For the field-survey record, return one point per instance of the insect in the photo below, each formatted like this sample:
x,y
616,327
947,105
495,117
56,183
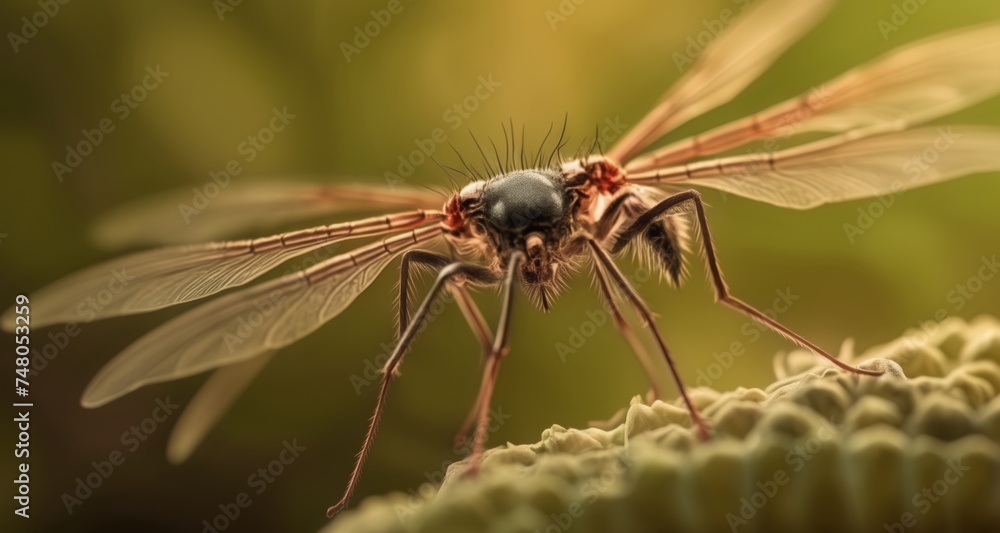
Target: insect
x,y
532,219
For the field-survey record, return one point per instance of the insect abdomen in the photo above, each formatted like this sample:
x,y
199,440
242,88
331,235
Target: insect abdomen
x,y
663,239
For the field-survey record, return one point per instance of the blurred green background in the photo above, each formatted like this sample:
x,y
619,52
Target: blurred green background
x,y
607,60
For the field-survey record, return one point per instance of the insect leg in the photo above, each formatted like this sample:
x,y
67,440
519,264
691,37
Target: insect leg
x,y
627,206
692,197
475,320
618,207
500,347
626,331
473,317
468,273
465,302
640,306
662,238
469,310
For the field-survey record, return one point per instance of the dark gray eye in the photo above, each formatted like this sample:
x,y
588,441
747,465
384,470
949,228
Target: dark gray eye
x,y
524,199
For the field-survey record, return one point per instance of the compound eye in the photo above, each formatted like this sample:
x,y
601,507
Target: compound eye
x,y
471,195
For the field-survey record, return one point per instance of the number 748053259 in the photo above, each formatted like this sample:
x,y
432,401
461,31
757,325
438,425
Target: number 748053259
x,y
529,217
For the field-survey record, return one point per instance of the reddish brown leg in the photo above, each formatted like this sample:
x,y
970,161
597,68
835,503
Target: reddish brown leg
x,y
626,331
647,316
654,392
485,336
467,272
462,297
474,318
722,294
500,348
469,310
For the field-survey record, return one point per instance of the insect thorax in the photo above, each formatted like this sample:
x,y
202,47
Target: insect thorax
x,y
525,202
530,211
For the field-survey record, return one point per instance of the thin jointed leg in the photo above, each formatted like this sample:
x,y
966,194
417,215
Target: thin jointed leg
x,y
721,290
626,205
473,317
468,273
469,310
462,297
647,316
500,346
626,331
485,336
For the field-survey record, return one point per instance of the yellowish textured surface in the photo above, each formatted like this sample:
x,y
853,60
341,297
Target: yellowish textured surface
x,y
818,450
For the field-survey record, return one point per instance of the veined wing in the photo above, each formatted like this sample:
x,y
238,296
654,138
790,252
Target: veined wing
x,y
238,326
728,64
159,278
208,405
924,80
858,164
190,215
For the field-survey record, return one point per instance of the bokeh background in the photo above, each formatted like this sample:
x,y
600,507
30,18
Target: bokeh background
x,y
605,61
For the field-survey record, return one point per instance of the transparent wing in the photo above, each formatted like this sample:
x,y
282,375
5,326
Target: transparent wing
x,y
859,164
238,326
208,405
155,279
915,83
731,62
190,215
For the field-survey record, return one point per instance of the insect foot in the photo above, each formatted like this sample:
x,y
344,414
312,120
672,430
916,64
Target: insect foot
x,y
818,450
